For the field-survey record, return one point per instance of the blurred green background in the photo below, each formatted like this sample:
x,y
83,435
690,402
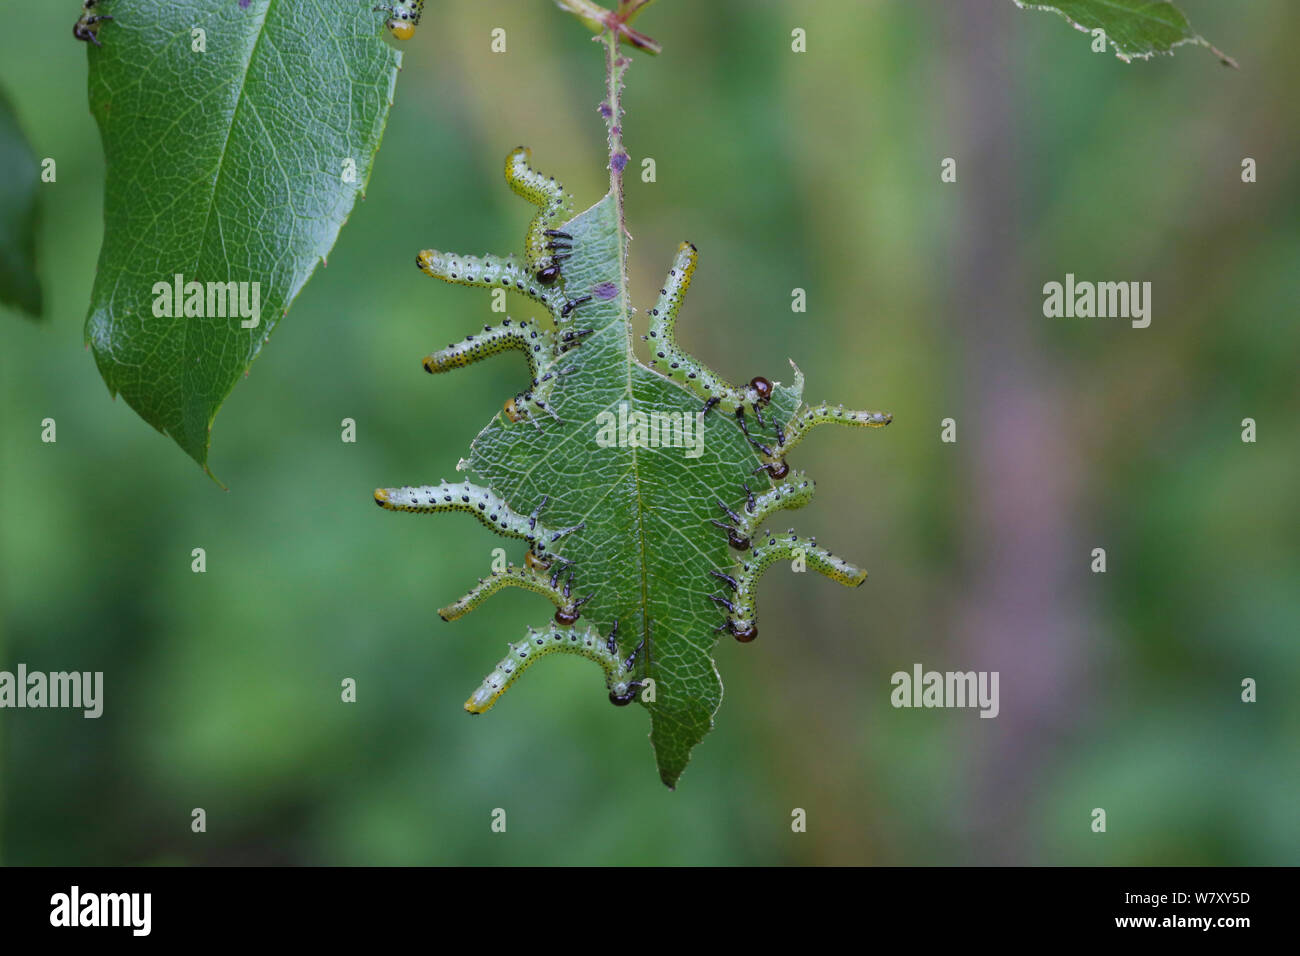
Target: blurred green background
x,y
818,171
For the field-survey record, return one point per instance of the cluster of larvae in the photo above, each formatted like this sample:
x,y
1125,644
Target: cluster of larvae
x,y
550,352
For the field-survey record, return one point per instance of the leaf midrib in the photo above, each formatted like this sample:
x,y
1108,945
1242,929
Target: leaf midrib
x,y
614,79
225,148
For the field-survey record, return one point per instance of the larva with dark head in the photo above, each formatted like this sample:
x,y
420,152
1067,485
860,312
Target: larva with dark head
x,y
86,28
545,246
492,272
537,344
755,510
530,578
540,346
742,622
559,640
804,421
776,470
672,360
483,504
810,417
403,17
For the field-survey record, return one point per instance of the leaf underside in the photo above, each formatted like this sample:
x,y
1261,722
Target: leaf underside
x,y
222,166
646,552
647,546
1135,29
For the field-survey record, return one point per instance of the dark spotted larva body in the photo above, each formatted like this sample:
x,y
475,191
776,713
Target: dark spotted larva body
x,y
512,576
672,360
750,516
491,272
550,640
404,17
742,620
809,418
545,246
537,344
540,346
481,503
804,421
678,364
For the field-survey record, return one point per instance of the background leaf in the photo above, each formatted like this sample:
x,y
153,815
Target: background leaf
x,y
1135,28
19,284
222,166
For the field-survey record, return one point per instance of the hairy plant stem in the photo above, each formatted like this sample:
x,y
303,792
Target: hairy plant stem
x,y
611,108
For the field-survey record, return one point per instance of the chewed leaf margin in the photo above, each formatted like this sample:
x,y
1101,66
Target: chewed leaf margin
x,y
1135,29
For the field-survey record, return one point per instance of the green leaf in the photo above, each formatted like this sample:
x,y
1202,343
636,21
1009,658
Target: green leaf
x,y
627,533
222,166
19,285
1134,28
647,547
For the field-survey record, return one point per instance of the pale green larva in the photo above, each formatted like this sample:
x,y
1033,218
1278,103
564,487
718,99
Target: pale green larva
x,y
742,620
672,360
540,346
537,344
810,417
795,493
804,421
678,364
482,504
545,246
491,272
533,578
559,640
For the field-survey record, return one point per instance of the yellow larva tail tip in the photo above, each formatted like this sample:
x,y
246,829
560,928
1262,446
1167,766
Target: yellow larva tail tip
x,y
401,29
381,496
473,707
